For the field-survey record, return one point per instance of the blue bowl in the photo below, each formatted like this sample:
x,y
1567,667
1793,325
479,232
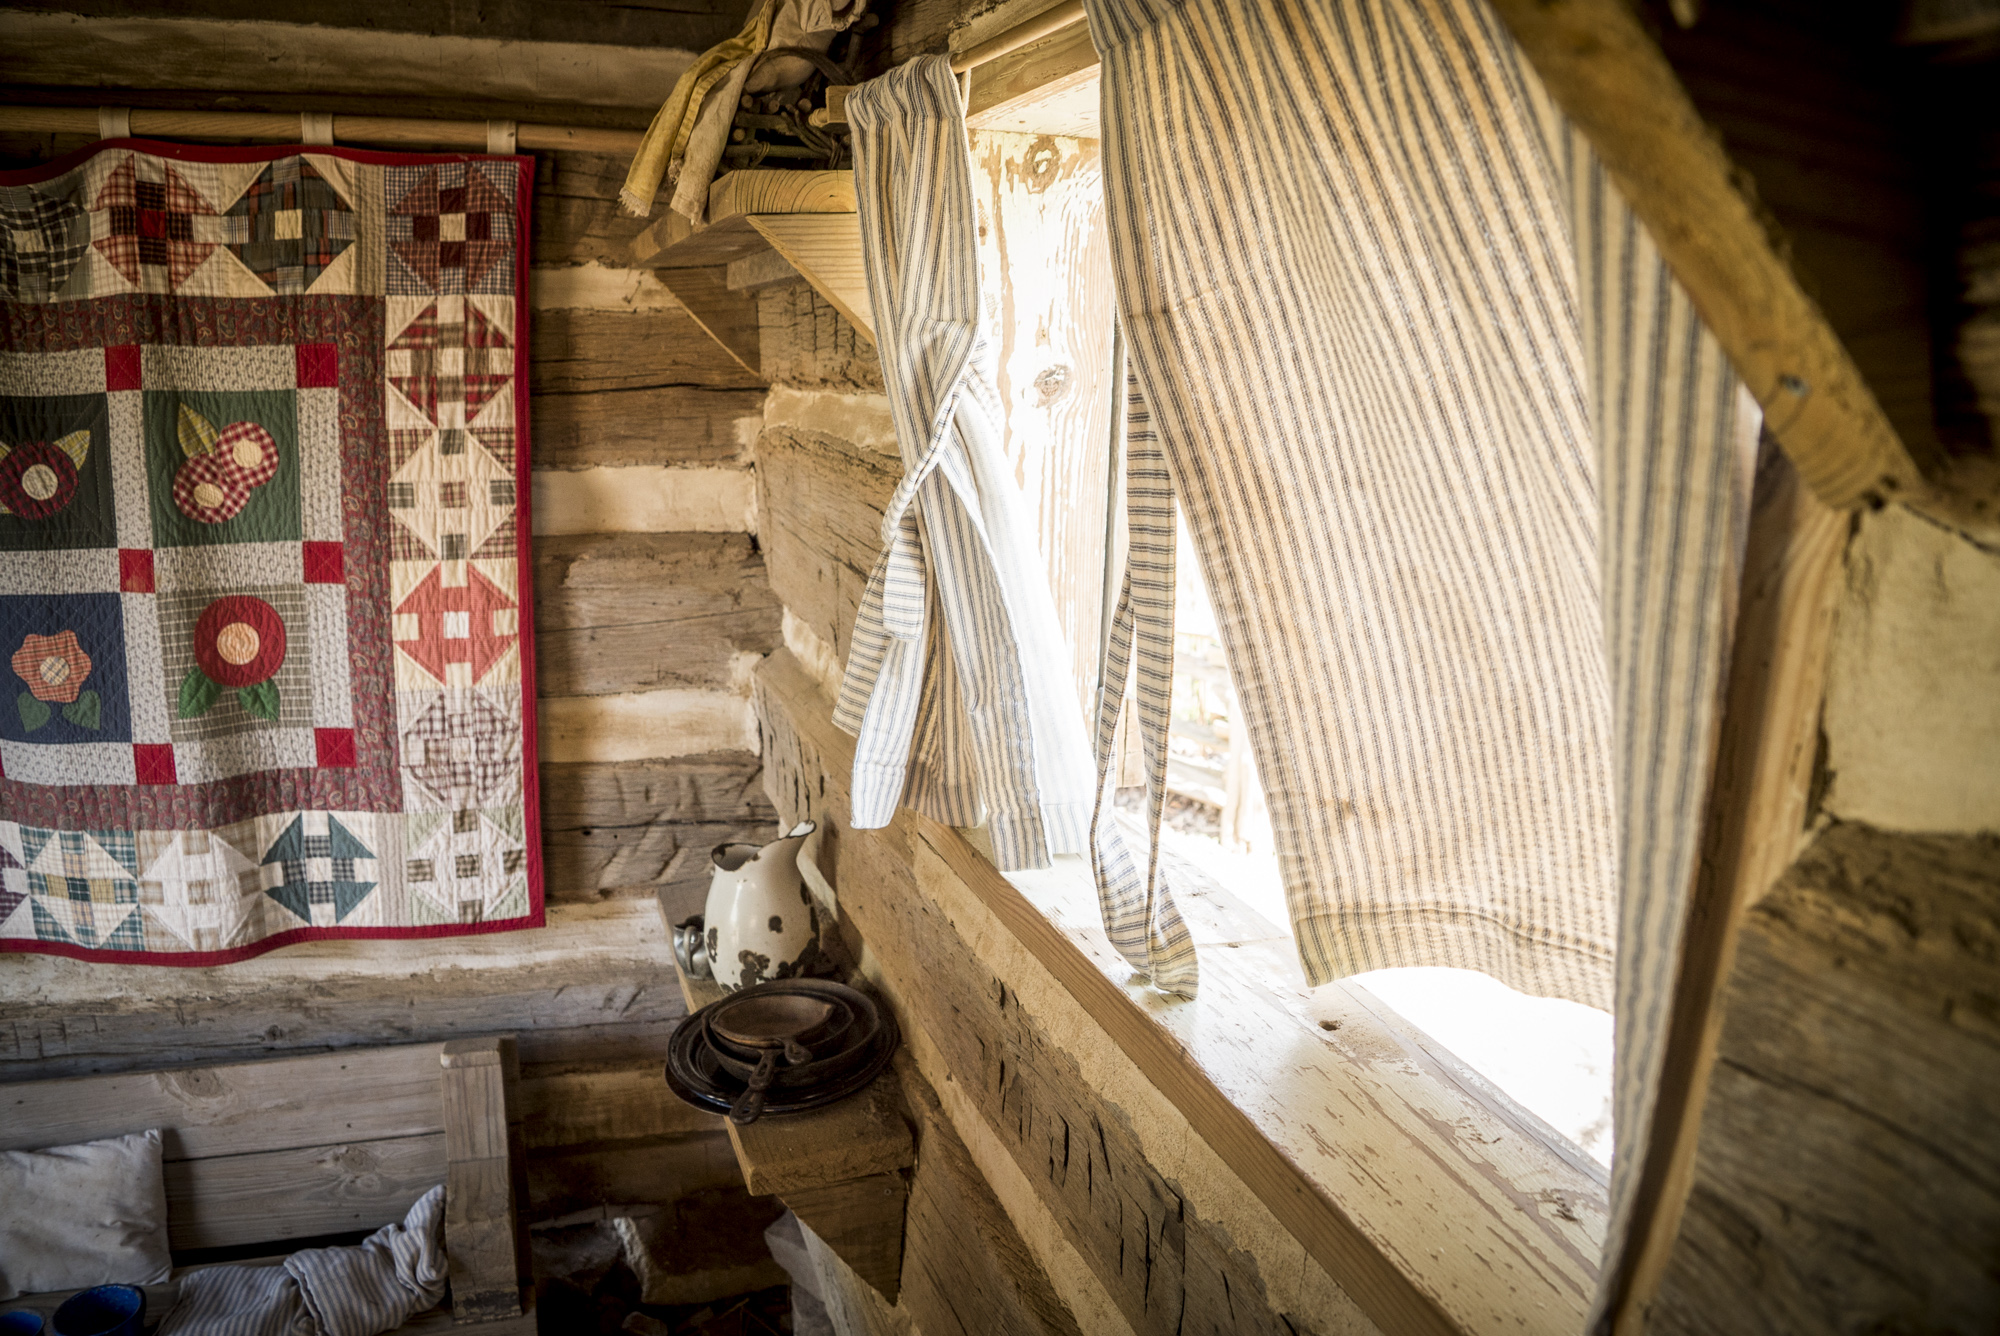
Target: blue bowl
x,y
108,1310
20,1322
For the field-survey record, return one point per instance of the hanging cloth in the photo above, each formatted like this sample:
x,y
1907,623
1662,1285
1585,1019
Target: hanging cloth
x,y
663,153
956,684
1466,476
684,144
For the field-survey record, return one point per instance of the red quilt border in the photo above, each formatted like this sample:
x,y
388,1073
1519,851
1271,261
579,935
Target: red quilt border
x,y
537,915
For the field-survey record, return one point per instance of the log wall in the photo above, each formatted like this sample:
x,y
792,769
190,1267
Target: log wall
x,y
651,605
1846,1177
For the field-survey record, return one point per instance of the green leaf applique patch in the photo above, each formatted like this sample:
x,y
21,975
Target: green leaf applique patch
x,y
197,694
84,711
260,699
34,713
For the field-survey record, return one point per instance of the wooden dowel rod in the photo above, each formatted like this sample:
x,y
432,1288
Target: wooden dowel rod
x,y
1048,22
284,127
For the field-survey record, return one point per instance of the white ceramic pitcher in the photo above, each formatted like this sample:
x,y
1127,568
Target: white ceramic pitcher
x,y
762,924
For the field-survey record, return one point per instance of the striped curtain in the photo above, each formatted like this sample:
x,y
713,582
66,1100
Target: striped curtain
x,y
1466,476
956,685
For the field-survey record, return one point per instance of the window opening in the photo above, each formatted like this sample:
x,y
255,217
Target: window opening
x,y
1043,242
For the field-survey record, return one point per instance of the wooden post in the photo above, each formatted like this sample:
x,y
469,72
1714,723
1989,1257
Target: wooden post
x,y
485,1234
1610,77
1754,828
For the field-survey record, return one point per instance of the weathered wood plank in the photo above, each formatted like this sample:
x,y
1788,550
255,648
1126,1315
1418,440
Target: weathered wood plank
x,y
693,25
861,1219
603,1012
237,1109
639,612
965,1267
727,316
643,725
1754,826
485,1238
130,51
1042,200
673,241
562,1105
644,499
628,1171
821,501
576,214
659,424
646,827
583,351
231,1200
804,342
1848,1178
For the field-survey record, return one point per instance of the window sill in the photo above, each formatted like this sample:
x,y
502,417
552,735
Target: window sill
x,y
1436,1204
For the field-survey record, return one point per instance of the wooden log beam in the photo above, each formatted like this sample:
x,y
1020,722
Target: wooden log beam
x,y
1754,828
726,315
1610,77
1848,1178
593,986
645,827
639,612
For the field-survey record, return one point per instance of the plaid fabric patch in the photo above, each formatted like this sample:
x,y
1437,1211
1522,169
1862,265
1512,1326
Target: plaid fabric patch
x,y
150,225
464,751
450,369
84,887
449,230
289,226
333,871
41,241
213,485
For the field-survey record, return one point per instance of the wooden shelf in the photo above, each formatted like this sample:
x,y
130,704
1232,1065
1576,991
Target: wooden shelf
x,y
807,218
839,1169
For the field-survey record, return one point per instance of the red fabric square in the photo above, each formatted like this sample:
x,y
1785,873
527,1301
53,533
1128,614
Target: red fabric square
x,y
325,564
135,570
121,367
319,366
154,762
336,748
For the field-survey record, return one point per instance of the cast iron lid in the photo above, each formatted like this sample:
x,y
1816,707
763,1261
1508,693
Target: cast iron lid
x,y
778,1048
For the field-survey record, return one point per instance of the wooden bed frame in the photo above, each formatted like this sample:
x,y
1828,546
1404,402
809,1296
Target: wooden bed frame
x,y
296,1148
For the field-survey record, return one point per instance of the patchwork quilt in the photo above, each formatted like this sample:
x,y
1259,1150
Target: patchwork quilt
x,y
265,660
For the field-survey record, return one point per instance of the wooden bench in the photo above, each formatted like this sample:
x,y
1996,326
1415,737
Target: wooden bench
x,y
297,1148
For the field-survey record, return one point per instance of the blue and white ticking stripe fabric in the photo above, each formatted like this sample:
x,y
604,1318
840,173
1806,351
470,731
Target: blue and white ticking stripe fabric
x,y
1138,907
1467,479
955,682
396,1273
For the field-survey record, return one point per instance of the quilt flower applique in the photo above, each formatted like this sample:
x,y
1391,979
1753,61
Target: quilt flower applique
x,y
37,478
55,669
239,642
222,467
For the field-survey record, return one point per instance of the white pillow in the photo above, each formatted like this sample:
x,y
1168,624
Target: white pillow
x,y
76,1216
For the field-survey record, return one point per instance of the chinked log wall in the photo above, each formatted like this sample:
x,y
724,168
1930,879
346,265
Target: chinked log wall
x,y
649,615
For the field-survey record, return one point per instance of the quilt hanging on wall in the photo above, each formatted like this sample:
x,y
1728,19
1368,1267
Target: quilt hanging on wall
x,y
265,660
